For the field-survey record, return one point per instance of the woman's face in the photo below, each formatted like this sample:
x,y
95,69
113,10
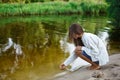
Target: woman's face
x,y
76,36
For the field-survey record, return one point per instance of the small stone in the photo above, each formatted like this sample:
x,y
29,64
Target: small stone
x,y
98,74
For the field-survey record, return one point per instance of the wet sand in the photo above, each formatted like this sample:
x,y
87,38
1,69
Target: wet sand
x,y
110,71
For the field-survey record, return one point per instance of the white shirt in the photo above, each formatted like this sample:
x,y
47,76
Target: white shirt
x,y
94,47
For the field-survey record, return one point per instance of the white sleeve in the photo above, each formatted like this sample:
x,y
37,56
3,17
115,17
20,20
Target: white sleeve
x,y
70,59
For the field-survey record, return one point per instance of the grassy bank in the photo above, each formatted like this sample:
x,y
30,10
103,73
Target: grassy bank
x,y
51,8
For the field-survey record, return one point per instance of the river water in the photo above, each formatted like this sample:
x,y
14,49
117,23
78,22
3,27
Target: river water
x,y
33,47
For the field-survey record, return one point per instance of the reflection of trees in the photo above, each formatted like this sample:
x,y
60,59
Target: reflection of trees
x,y
93,25
25,33
33,37
54,30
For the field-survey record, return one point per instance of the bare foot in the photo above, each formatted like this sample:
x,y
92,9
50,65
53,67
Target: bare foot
x,y
94,67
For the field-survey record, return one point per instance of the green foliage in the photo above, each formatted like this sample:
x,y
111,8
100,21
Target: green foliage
x,y
52,8
93,7
9,9
37,0
114,11
114,14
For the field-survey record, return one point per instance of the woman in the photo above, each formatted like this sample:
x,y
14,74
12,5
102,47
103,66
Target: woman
x,y
89,47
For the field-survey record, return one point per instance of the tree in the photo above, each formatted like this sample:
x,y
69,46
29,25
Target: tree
x,y
114,14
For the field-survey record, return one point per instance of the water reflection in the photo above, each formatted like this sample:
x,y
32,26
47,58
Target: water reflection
x,y
104,36
7,45
36,45
16,47
39,45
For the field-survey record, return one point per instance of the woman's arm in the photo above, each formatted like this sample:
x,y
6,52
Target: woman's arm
x,y
70,59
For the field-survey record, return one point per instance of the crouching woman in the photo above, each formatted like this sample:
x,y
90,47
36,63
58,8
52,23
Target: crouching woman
x,y
89,47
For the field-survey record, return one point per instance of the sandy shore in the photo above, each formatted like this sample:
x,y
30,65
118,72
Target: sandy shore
x,y
111,71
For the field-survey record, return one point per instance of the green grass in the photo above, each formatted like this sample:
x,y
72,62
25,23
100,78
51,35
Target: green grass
x,y
50,8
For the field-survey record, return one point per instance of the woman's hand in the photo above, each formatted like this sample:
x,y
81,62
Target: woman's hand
x,y
62,66
78,48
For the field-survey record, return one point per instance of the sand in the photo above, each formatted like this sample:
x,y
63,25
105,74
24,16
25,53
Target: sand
x,y
110,71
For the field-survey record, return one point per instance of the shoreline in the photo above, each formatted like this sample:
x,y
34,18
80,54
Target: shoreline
x,y
110,71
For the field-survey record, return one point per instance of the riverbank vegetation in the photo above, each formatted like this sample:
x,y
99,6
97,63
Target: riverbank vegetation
x,y
83,7
114,14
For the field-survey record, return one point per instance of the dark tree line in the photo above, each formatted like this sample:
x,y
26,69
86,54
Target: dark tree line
x,y
27,1
114,14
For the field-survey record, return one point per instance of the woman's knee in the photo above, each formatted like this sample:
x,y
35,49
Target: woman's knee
x,y
78,53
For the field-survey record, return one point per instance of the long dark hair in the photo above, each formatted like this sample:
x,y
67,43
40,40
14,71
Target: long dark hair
x,y
75,29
